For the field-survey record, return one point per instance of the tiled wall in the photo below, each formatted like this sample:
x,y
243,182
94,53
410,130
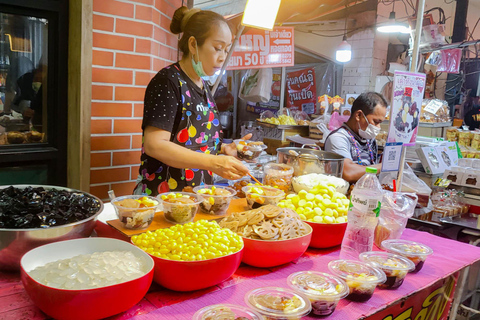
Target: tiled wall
x,y
369,54
131,42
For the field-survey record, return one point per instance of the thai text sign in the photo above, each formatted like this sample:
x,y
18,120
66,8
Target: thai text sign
x,y
302,91
263,49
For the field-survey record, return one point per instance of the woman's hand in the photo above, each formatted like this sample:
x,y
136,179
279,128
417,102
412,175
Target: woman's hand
x,y
228,167
231,149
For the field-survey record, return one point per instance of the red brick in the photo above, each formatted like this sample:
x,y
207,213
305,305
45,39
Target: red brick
x,y
112,76
102,58
169,7
155,50
102,92
100,191
143,78
102,23
156,17
159,34
143,13
126,157
110,143
109,175
138,110
134,172
134,28
101,109
149,2
143,46
127,126
172,40
123,189
168,53
124,60
165,23
109,41
101,126
129,94
113,7
137,141
100,159
159,64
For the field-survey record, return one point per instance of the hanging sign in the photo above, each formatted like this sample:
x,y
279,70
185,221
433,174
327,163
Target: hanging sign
x,y
263,49
408,90
302,91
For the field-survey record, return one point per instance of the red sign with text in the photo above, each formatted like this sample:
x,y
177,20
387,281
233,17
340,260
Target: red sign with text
x,y
263,49
432,303
302,91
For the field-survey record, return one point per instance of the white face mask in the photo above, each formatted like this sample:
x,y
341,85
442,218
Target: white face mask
x,y
370,133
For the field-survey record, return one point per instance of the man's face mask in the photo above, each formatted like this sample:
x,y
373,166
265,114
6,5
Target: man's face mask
x,y
370,133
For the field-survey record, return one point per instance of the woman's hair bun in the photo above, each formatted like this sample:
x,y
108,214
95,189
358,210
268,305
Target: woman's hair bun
x,y
176,24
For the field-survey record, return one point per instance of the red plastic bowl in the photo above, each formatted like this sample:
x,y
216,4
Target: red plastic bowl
x,y
89,303
195,275
271,253
327,235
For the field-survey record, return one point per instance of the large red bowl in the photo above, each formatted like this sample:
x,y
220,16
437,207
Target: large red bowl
x,y
327,235
89,303
195,275
271,253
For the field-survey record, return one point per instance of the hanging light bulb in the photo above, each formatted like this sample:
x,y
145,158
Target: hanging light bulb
x,y
344,51
392,25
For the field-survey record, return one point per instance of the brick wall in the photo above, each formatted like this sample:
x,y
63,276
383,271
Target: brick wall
x,y
131,42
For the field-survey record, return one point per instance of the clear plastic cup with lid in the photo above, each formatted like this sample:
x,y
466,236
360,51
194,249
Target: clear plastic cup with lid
x,y
412,250
394,266
278,303
361,278
226,311
323,290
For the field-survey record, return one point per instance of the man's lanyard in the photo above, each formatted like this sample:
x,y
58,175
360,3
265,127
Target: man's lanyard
x,y
357,149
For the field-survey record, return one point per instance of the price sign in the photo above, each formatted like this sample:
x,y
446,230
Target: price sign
x,y
433,106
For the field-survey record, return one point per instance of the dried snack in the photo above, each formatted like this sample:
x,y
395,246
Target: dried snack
x,y
266,223
216,198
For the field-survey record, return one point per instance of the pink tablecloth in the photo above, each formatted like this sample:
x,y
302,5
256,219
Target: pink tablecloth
x,y
448,257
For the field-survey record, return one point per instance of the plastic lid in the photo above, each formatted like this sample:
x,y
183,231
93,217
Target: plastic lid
x,y
371,170
226,311
318,284
356,270
278,303
387,261
407,248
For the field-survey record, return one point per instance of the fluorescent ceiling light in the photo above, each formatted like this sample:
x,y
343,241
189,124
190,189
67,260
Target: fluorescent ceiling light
x,y
344,51
261,13
393,26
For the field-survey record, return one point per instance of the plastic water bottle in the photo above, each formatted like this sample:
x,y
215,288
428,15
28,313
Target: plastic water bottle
x,y
365,202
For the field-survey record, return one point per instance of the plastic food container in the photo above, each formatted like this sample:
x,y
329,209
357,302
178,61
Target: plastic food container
x,y
414,251
181,208
361,278
249,150
226,311
216,199
278,303
395,267
323,290
135,211
258,196
277,174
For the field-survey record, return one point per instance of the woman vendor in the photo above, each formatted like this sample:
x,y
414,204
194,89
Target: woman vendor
x,y
181,129
355,139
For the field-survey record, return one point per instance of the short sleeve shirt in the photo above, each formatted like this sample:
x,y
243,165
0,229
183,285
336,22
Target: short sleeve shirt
x,y
341,143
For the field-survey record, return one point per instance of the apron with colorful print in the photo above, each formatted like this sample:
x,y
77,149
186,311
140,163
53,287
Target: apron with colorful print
x,y
198,130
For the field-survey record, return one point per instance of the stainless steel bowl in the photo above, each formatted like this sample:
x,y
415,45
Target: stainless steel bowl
x,y
14,243
319,162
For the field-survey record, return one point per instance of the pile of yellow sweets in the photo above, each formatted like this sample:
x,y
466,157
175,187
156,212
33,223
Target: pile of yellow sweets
x,y
193,241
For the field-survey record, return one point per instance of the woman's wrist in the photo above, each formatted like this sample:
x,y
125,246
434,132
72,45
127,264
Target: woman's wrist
x,y
222,148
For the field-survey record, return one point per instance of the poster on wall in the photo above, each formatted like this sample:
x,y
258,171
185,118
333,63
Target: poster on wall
x,y
302,91
274,103
408,90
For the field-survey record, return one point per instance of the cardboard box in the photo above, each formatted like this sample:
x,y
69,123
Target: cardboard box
x,y
448,152
431,160
471,179
455,175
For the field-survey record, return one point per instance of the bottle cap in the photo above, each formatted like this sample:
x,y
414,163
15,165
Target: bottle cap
x,y
371,170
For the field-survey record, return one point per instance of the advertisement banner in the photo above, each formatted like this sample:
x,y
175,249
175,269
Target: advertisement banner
x,y
302,91
263,49
432,303
408,90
